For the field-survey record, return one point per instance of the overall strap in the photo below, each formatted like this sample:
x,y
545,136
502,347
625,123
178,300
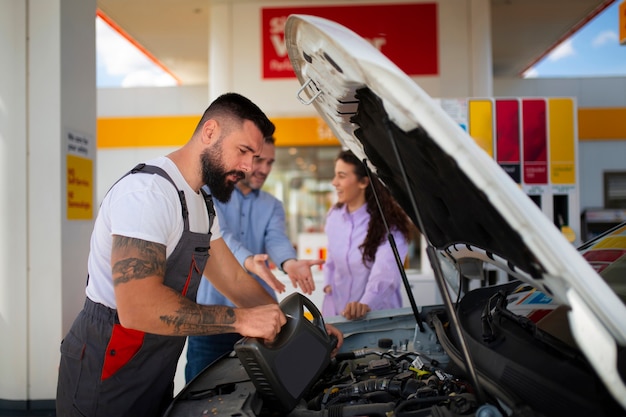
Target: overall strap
x,y
151,169
208,200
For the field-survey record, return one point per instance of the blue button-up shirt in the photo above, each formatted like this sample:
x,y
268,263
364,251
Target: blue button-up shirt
x,y
251,224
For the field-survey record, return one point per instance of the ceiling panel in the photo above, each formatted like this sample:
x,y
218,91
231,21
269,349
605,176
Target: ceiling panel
x,y
175,32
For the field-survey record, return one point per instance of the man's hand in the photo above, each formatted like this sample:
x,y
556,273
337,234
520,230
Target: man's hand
x,y
263,322
332,330
257,264
299,271
355,310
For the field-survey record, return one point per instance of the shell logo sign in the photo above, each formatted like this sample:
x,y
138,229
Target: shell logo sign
x,y
402,32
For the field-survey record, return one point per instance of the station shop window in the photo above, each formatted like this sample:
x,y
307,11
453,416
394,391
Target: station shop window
x,y
595,221
615,189
302,179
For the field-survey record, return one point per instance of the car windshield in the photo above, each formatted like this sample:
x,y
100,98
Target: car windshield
x,y
607,255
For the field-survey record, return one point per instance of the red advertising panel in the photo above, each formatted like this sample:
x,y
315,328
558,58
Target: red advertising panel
x,y
535,141
507,137
404,33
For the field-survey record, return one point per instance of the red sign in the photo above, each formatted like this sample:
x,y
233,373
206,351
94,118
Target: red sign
x,y
507,137
535,139
404,33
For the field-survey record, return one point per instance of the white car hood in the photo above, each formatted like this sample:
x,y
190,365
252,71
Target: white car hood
x,y
464,203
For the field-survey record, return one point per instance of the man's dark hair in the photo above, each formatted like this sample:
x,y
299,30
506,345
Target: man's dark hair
x,y
239,108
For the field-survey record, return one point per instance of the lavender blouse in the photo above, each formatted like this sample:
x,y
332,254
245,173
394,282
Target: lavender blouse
x,y
377,284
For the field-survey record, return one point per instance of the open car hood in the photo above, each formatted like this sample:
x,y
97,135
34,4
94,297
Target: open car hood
x,y
466,206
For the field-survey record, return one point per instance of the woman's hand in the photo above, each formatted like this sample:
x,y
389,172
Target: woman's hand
x,y
355,310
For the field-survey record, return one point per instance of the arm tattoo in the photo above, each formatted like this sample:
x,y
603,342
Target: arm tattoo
x,y
141,259
196,319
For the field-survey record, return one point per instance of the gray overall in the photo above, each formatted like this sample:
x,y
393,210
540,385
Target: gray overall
x,y
107,370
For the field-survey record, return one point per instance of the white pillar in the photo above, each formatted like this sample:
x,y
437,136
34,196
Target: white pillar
x,y
13,203
465,61
47,95
220,48
481,61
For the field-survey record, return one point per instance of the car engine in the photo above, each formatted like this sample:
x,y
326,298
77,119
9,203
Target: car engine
x,y
388,379
387,366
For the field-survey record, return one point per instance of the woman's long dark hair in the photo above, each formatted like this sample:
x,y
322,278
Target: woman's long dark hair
x,y
395,216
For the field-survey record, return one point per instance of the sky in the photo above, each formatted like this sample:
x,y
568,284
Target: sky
x,y
120,64
593,51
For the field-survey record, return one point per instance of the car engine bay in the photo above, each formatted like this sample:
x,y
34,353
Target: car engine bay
x,y
386,365
391,366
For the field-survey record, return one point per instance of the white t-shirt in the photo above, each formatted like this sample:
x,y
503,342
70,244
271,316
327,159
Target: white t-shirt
x,y
147,207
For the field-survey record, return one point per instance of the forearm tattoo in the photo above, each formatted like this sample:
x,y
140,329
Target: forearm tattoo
x,y
143,259
196,319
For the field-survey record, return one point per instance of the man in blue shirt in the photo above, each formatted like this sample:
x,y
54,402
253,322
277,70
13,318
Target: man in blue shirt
x,y
253,227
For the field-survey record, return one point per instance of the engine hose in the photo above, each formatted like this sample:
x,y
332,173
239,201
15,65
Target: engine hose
x,y
401,389
370,410
445,405
415,406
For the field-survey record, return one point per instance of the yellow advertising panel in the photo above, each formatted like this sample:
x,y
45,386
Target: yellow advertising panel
x,y
602,123
562,140
303,131
481,123
79,188
137,132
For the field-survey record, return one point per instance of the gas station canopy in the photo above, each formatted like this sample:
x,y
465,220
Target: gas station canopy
x,y
176,33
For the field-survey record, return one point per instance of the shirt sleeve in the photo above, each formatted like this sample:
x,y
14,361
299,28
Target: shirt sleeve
x,y
216,230
328,303
236,247
277,243
133,209
384,280
329,265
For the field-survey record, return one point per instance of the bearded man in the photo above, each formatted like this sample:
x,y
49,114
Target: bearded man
x,y
149,249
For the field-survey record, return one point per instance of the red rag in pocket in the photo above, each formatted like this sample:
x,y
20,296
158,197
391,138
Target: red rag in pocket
x,y
123,345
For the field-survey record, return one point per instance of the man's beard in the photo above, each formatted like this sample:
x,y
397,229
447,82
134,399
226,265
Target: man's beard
x,y
214,174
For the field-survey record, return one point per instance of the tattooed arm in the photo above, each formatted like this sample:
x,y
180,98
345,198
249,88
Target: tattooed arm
x,y
232,280
145,303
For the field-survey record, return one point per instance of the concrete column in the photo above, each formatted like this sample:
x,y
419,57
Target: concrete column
x,y
220,48
481,61
465,61
47,144
13,202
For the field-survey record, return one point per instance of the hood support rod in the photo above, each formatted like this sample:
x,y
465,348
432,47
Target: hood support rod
x,y
436,265
394,248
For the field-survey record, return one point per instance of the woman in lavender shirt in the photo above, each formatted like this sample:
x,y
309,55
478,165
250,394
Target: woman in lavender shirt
x,y
361,273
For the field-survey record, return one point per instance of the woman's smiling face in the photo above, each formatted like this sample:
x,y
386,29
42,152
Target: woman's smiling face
x,y
350,189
